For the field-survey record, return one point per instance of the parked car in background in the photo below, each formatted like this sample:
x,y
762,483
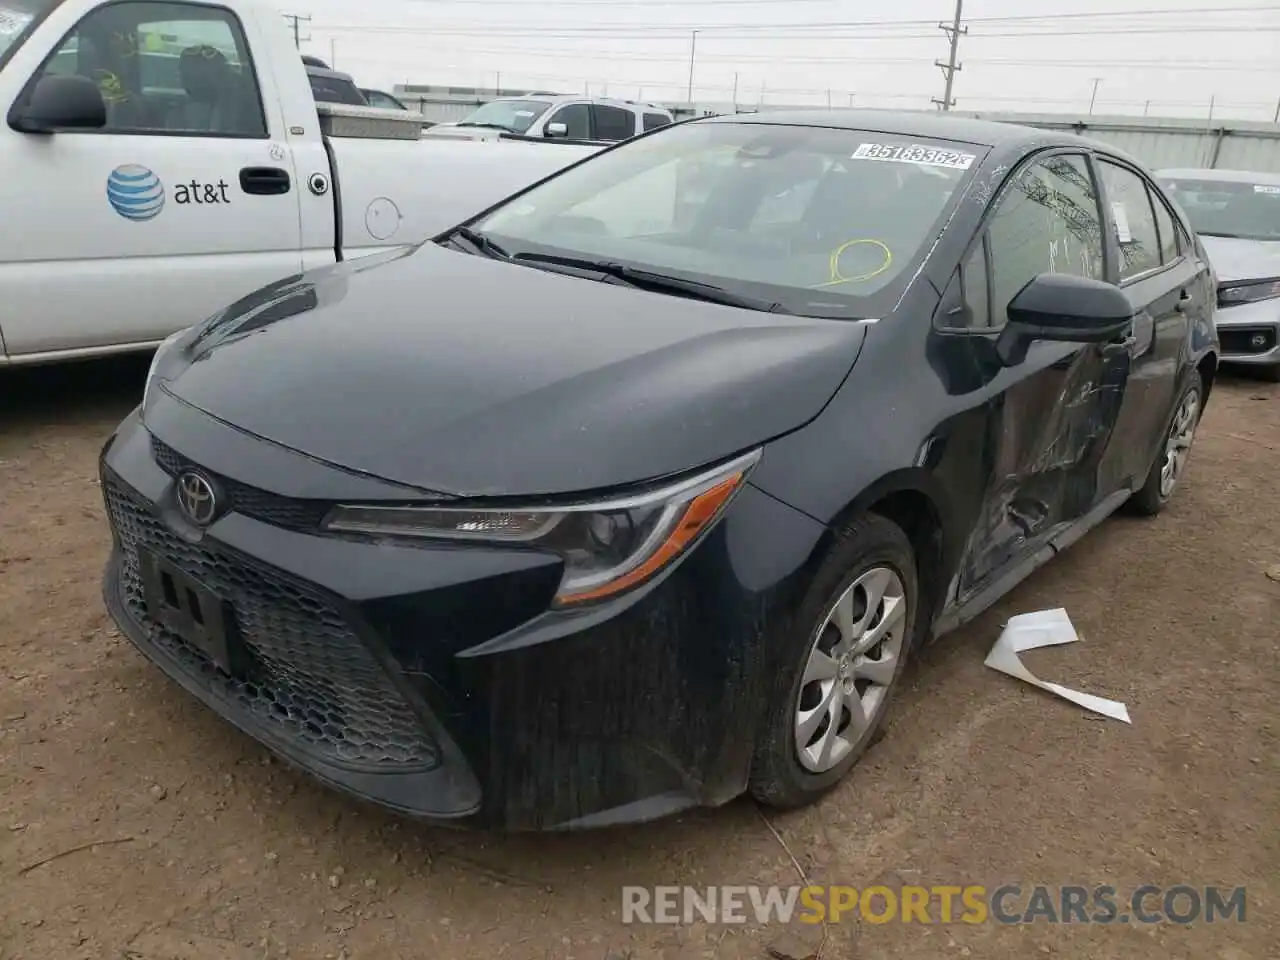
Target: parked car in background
x,y
377,98
566,118
330,86
604,505
1237,214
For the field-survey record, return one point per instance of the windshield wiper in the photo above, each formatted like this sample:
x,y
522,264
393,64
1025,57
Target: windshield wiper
x,y
482,123
482,243
651,280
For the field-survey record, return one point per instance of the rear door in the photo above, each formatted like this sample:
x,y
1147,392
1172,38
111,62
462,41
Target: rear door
x,y
181,204
1157,267
1050,416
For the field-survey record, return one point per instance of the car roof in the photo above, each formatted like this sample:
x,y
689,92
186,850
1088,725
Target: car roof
x,y
570,97
941,126
1222,176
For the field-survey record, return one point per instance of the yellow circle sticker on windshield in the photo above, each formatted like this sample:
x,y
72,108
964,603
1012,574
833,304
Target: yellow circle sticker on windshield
x,y
834,265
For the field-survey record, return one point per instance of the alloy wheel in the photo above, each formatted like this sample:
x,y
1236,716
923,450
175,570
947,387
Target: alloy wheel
x,y
1177,447
851,665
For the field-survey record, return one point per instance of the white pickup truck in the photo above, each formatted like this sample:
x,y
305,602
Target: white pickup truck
x,y
162,158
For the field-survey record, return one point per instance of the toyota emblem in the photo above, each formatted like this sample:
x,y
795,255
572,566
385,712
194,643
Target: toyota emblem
x,y
196,498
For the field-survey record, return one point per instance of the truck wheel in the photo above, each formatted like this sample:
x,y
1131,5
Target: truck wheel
x,y
845,652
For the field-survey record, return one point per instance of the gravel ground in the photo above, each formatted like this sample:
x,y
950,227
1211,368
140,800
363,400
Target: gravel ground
x,y
207,849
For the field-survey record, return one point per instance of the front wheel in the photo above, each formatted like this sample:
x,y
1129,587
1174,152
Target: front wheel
x,y
846,650
1171,462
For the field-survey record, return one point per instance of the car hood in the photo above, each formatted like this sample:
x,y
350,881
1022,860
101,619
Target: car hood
x,y
1235,259
461,375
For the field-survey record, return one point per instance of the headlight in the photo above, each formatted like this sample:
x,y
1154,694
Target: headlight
x,y
1234,293
608,546
155,362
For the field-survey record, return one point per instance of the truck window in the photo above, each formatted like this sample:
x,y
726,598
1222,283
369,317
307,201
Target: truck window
x,y
613,123
652,121
575,116
166,68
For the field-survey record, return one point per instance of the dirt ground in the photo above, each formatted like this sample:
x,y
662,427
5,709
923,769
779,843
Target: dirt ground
x,y
207,849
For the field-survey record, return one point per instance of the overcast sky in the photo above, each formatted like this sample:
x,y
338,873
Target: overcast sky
x,y
808,51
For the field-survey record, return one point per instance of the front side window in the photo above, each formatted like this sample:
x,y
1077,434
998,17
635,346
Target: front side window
x,y
165,68
514,116
1242,209
820,221
1045,221
576,118
1133,220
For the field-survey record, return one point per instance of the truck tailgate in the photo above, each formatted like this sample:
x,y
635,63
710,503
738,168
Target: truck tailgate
x,y
394,192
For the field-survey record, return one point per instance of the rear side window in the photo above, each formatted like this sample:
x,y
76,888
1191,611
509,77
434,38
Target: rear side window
x,y
652,121
613,123
1169,251
336,90
1133,220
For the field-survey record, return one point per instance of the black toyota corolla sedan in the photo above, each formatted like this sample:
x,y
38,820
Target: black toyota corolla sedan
x,y
637,491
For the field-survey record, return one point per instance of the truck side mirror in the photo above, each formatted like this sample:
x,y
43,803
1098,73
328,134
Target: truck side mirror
x,y
61,103
557,130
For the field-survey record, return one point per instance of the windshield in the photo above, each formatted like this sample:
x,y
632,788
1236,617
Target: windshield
x,y
1226,208
814,219
15,17
514,115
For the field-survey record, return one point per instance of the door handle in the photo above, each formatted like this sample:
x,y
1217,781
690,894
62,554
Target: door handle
x,y
264,181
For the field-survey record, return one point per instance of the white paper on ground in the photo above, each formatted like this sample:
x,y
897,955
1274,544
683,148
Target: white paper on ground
x,y
1045,628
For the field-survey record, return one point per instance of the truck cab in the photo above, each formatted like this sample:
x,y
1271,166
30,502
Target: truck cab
x,y
165,157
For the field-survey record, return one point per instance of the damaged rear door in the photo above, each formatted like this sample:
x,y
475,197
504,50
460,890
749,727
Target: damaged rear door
x,y
1049,418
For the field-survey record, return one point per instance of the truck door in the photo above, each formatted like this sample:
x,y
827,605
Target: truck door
x,y
182,203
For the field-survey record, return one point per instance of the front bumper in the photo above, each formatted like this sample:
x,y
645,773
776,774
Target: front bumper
x,y
432,680
1250,333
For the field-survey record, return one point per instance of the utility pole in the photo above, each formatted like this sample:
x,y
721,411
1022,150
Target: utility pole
x,y
828,98
851,99
333,53
735,92
693,49
297,20
951,67
1276,118
1094,96
1146,107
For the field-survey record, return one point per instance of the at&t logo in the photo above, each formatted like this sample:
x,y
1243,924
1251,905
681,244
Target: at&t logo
x,y
135,192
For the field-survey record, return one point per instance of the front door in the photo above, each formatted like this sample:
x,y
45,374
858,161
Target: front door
x,y
181,204
1157,268
1049,417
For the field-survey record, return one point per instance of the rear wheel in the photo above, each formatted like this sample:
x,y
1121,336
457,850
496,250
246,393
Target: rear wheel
x,y
1171,462
847,648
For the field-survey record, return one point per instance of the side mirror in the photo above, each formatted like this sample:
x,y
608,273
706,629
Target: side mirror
x,y
556,130
1063,309
61,103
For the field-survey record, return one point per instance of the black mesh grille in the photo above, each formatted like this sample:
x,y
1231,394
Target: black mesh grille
x,y
310,678
261,505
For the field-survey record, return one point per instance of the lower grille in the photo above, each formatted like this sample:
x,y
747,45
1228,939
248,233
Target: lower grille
x,y
309,678
1242,340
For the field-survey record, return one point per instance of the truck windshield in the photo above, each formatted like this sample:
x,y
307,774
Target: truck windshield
x,y
516,116
16,16
819,221
1230,208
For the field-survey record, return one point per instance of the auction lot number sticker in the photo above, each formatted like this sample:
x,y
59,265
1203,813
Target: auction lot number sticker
x,y
914,153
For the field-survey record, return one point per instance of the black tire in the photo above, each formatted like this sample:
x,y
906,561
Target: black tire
x,y
1271,373
777,777
1148,501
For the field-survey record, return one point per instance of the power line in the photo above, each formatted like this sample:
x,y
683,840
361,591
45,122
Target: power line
x,y
776,31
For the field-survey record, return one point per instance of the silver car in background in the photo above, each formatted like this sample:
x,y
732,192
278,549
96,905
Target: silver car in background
x,y
1237,215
